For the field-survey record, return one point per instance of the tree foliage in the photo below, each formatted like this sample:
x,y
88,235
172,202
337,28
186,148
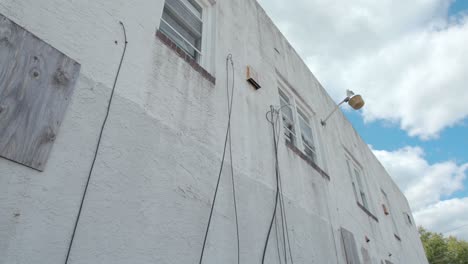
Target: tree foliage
x,y
443,250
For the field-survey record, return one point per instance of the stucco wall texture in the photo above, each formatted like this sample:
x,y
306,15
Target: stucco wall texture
x,y
150,193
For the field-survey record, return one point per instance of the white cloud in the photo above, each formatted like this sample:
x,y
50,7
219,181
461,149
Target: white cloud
x,y
427,185
449,217
408,58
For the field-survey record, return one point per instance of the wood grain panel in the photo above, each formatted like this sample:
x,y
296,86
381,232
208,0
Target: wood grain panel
x,y
36,84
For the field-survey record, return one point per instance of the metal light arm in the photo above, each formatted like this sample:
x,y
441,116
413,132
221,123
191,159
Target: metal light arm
x,y
324,122
354,100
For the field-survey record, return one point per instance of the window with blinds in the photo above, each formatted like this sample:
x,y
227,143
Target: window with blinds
x,y
306,136
297,124
182,22
288,118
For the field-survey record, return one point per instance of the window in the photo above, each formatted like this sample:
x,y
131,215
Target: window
x,y
357,181
306,136
387,202
288,118
408,218
182,22
303,138
190,25
362,194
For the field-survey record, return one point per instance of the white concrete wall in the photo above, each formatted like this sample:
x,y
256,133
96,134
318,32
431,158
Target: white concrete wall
x,y
152,185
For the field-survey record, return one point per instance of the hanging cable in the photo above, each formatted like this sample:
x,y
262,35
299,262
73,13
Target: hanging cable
x,y
281,199
226,140
270,116
98,144
272,112
283,212
277,242
281,187
229,101
282,222
278,132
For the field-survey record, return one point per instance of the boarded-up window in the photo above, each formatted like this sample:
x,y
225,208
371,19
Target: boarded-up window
x,y
350,248
36,83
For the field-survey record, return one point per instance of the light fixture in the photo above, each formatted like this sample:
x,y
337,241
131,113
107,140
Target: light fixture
x,y
354,100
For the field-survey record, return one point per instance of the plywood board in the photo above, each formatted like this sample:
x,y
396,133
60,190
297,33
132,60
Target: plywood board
x,y
350,248
36,85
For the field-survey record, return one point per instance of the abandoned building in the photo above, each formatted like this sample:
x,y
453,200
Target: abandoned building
x,y
180,131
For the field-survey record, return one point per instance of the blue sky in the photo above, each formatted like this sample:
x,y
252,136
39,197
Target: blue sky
x,y
458,6
450,144
409,60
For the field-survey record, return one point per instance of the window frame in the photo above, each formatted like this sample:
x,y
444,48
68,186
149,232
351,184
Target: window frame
x,y
296,106
306,119
206,52
408,219
390,213
360,187
290,106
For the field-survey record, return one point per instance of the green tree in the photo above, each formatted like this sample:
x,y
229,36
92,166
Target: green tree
x,y
457,251
442,250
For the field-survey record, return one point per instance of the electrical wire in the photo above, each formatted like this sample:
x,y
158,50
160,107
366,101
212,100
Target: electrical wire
x,y
226,140
98,144
278,132
277,242
283,229
230,101
272,111
279,197
282,206
451,230
444,255
283,212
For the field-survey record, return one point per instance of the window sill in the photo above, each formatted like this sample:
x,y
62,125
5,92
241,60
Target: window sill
x,y
397,237
307,159
182,54
367,212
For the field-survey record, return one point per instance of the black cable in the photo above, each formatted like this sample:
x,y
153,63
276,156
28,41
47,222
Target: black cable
x,y
284,223
283,227
283,209
272,111
451,230
230,157
221,166
282,206
277,242
98,144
